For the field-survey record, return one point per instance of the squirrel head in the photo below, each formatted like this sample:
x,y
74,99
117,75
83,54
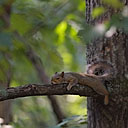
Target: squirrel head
x,y
57,78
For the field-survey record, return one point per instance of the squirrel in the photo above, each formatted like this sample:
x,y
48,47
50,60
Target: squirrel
x,y
101,69
90,79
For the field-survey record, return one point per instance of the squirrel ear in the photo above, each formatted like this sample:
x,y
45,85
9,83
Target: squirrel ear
x,y
62,74
55,72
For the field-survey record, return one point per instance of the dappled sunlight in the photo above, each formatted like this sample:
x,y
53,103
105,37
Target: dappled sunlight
x,y
66,56
60,30
110,32
98,11
39,38
77,105
125,11
7,126
99,28
3,125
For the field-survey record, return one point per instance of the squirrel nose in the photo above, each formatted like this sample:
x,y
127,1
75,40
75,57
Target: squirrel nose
x,y
52,82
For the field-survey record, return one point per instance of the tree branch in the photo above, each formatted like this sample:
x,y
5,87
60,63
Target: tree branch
x,y
43,90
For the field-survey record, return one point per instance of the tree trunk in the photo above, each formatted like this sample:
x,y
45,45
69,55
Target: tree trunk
x,y
6,106
6,111
114,50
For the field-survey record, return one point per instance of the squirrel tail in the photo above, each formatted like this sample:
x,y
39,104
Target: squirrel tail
x,y
101,69
106,100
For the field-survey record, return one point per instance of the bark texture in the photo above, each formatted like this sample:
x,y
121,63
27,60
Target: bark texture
x,y
114,50
47,89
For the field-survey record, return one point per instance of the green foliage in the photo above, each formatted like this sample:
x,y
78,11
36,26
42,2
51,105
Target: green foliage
x,y
73,122
114,3
98,11
90,33
33,112
120,22
57,32
19,23
48,27
5,40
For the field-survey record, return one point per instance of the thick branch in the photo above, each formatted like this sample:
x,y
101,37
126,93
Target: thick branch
x,y
42,90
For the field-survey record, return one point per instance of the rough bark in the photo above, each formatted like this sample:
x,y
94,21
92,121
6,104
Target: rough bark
x,y
57,89
47,89
115,51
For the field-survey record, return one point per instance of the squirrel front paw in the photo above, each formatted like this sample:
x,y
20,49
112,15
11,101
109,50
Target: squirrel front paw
x,y
69,87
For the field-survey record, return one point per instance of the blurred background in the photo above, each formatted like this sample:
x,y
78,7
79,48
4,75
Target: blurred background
x,y
39,38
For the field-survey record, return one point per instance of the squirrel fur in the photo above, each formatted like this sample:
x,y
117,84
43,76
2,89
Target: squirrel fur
x,y
80,78
101,69
91,79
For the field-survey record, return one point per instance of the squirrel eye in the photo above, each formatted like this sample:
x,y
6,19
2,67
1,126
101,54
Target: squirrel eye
x,y
57,78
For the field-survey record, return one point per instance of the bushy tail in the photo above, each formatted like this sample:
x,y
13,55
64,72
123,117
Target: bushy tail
x,y
106,100
101,69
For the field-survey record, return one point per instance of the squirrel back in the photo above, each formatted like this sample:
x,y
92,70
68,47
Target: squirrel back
x,y
73,78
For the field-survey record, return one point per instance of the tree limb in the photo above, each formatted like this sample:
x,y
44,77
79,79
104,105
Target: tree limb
x,y
43,90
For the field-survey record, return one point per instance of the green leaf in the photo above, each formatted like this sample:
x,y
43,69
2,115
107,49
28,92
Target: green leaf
x,y
19,22
125,24
5,40
98,11
120,22
90,33
86,34
114,3
3,1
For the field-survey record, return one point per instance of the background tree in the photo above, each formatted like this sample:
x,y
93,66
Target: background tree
x,y
31,20
48,31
